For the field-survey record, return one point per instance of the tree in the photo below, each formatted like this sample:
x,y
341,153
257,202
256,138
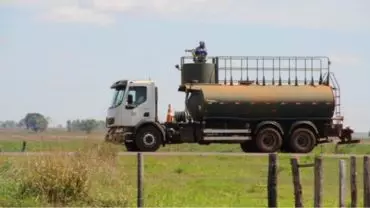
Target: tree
x,y
36,122
21,123
69,126
88,125
8,124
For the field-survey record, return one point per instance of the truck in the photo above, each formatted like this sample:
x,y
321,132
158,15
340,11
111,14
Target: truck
x,y
277,103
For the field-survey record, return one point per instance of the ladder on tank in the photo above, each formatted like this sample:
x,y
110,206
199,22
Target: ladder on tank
x,y
336,91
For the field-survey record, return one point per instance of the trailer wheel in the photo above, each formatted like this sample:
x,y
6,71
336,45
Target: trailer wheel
x,y
302,140
269,140
285,147
148,139
248,146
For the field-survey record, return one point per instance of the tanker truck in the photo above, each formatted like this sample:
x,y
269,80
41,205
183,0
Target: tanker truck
x,y
268,108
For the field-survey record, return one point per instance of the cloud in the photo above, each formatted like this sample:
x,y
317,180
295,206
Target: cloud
x,y
311,14
78,15
345,59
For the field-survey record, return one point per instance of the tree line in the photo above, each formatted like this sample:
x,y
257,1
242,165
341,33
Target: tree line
x,y
37,122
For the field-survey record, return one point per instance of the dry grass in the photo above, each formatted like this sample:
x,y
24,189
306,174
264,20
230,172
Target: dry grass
x,y
9,134
86,178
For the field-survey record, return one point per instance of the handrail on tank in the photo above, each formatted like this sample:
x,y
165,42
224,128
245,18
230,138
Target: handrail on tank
x,y
336,89
261,64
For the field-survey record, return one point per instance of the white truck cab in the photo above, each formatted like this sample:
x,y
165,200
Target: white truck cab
x,y
133,102
134,106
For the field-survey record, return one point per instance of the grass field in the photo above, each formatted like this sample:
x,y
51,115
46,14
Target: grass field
x,y
168,180
64,141
189,181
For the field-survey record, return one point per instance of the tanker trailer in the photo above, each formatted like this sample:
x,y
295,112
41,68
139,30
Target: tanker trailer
x,y
288,117
255,102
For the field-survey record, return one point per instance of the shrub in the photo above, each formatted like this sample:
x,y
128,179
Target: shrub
x,y
62,179
58,178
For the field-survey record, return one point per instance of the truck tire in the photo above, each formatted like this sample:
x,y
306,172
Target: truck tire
x,y
148,139
131,146
268,140
249,146
302,140
285,147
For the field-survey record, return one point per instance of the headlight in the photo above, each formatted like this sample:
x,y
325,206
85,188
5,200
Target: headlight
x,y
109,121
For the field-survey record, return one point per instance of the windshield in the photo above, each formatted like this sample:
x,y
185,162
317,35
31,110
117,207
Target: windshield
x,y
118,95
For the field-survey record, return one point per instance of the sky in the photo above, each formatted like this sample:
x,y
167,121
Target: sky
x,y
59,57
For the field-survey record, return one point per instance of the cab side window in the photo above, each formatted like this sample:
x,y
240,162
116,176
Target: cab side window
x,y
139,95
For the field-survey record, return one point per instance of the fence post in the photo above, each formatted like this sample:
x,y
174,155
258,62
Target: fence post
x,y
272,181
296,183
24,144
342,182
318,182
353,182
140,174
366,181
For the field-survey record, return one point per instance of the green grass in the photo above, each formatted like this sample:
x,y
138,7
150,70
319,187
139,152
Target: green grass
x,y
11,141
37,146
189,181
76,144
229,181
169,180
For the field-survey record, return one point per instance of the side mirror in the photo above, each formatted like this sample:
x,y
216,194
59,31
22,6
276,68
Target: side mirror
x,y
177,67
130,99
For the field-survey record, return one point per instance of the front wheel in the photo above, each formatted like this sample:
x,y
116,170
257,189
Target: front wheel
x,y
131,146
148,139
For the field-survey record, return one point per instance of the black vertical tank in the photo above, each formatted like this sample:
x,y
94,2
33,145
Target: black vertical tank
x,y
198,72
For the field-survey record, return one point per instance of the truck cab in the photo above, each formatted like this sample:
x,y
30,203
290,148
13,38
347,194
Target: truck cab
x,y
134,104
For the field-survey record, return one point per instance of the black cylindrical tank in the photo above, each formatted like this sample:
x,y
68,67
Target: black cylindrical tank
x,y
259,102
199,72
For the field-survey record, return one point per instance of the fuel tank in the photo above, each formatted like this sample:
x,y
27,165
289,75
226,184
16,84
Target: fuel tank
x,y
258,102
201,72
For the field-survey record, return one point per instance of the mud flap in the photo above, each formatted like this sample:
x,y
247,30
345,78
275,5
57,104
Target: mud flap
x,y
356,141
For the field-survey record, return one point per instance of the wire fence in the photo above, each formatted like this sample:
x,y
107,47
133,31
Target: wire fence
x,y
251,181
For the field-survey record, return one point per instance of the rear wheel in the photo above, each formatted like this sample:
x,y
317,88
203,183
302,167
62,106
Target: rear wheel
x,y
248,146
285,148
302,140
268,140
148,139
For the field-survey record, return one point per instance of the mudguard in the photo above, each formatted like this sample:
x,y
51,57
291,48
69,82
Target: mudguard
x,y
308,123
272,123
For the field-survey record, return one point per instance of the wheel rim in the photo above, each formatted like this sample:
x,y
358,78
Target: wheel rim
x,y
269,140
149,139
303,140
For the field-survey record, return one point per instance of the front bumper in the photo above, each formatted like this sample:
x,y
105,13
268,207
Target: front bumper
x,y
119,134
